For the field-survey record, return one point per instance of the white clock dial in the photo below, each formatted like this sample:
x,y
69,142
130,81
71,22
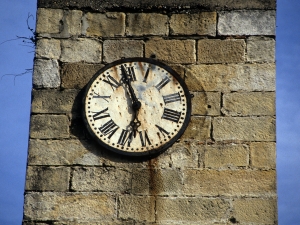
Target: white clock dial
x,y
158,121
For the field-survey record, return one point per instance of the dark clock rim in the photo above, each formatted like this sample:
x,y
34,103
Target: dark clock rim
x,y
153,151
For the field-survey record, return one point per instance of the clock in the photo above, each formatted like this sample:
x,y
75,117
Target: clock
x,y
136,106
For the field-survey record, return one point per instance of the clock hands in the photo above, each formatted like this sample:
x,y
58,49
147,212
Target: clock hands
x,y
136,104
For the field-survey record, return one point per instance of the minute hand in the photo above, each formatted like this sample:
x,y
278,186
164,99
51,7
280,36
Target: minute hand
x,y
136,104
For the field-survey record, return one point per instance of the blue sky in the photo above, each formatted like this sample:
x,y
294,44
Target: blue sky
x,y
15,96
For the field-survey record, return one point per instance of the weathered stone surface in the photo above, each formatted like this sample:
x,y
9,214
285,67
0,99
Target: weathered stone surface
x,y
108,24
174,51
101,179
221,51
54,101
251,210
62,152
77,75
250,103
227,78
49,126
115,222
183,155
48,20
48,48
157,182
180,69
139,24
46,74
191,209
138,208
160,4
260,49
42,178
229,182
252,22
69,206
206,103
244,128
81,50
116,49
198,129
263,155
226,156
76,152
71,23
194,24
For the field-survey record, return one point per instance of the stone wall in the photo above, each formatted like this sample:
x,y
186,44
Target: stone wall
x,y
221,171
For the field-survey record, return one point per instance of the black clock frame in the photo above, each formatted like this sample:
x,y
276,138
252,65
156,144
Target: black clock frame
x,y
154,151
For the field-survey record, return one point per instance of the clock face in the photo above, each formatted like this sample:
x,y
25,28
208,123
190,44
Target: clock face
x,y
136,106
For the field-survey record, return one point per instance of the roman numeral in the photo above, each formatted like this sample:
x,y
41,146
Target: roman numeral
x,y
162,130
163,83
146,75
130,72
171,115
171,98
126,136
105,97
112,82
101,114
109,128
144,138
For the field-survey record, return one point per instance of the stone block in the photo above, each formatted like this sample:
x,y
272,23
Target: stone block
x,y
244,128
49,21
102,179
255,211
48,48
77,75
62,152
206,103
71,23
191,209
137,208
69,206
180,69
230,182
250,103
116,49
227,78
108,24
198,129
42,178
194,24
171,51
260,49
263,155
49,126
249,22
183,155
81,50
226,156
54,101
157,182
46,74
70,152
221,51
140,24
